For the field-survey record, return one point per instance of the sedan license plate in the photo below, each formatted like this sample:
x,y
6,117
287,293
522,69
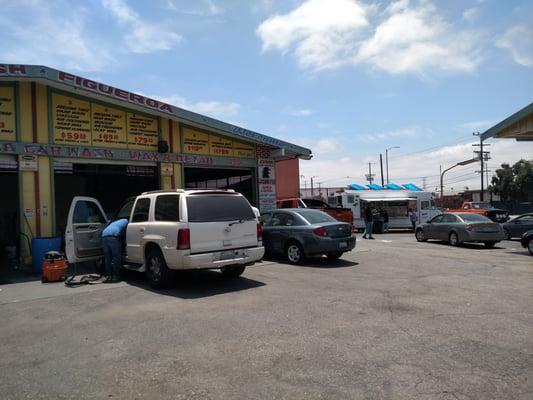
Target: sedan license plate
x,y
343,245
227,255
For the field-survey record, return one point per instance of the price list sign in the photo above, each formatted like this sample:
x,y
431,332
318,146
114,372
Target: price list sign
x,y
195,142
7,114
220,146
108,126
71,120
142,132
243,150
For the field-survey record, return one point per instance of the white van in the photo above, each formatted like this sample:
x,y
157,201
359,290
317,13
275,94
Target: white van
x,y
171,230
396,202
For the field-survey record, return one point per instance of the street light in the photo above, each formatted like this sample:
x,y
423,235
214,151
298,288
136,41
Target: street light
x,y
466,162
387,160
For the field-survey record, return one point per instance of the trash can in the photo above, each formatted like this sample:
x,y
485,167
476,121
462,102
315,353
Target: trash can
x,y
40,246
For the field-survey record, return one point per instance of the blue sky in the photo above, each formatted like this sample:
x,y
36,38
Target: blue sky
x,y
346,78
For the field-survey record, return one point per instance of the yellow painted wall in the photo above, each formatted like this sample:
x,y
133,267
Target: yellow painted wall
x,y
26,134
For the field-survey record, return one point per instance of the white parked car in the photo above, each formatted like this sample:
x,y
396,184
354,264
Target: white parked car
x,y
172,230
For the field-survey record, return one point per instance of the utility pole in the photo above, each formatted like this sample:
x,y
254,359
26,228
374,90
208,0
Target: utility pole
x,y
424,180
312,188
381,165
370,175
387,159
482,158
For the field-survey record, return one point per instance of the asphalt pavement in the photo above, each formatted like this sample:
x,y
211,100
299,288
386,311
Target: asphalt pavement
x,y
394,319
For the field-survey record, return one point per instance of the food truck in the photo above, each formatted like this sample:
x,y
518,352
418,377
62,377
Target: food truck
x,y
395,199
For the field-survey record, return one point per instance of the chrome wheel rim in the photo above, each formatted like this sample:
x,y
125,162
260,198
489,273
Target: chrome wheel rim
x,y
453,239
420,235
293,253
155,268
507,234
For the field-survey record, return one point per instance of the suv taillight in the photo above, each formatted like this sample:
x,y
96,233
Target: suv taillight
x,y
321,231
184,239
259,233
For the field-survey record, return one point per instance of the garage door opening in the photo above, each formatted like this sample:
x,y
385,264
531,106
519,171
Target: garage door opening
x,y
9,207
110,184
240,180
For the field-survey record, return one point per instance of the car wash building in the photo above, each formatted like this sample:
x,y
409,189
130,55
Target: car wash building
x,y
62,135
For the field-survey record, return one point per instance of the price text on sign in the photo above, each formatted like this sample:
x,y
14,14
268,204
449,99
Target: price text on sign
x,y
195,142
243,150
7,113
220,146
142,132
71,120
108,126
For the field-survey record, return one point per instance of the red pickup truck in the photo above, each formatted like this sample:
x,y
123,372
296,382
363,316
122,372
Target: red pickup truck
x,y
340,214
482,208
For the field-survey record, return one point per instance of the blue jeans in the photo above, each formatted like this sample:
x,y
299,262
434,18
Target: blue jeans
x,y
112,255
368,229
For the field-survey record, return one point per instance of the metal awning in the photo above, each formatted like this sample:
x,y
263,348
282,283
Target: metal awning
x,y
518,126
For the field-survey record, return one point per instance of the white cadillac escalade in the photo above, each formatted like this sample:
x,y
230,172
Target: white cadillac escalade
x,y
171,230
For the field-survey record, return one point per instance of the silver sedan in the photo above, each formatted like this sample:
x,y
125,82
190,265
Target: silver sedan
x,y
457,228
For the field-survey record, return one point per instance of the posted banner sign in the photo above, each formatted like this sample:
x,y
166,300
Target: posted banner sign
x,y
267,184
77,121
196,142
7,113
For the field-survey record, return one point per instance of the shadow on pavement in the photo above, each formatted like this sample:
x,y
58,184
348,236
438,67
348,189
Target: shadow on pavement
x,y
317,262
194,284
474,246
8,275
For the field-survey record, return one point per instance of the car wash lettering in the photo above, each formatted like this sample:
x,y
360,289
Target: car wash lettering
x,y
11,69
113,91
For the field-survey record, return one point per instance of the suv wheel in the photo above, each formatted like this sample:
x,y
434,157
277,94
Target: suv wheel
x,y
232,271
419,235
530,246
157,271
489,245
334,255
453,239
295,253
506,234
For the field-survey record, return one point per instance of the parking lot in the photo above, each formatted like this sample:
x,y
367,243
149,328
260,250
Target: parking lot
x,y
395,319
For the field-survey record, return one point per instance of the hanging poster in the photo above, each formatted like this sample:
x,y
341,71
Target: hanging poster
x,y
243,150
220,146
7,114
108,126
142,132
195,142
71,119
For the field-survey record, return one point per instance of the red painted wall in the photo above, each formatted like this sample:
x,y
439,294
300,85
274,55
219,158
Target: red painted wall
x,y
288,178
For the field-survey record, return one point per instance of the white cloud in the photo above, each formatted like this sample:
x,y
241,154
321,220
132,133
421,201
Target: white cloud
x,y
322,32
477,126
518,40
326,146
406,38
205,8
142,36
395,134
298,112
416,39
411,168
215,109
471,14
40,33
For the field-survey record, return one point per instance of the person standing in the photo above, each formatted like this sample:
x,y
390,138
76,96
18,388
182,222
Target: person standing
x,y
367,234
413,217
385,216
112,240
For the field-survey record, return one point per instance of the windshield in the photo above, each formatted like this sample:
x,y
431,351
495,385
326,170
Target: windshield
x,y
479,206
315,216
217,208
474,218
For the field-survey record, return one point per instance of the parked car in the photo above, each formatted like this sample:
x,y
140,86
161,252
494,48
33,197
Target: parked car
x,y
298,233
339,213
482,208
527,241
172,230
517,226
457,228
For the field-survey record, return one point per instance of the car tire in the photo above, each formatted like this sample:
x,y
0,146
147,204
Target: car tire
x,y
157,272
295,253
419,235
453,239
232,271
506,234
334,255
489,245
530,246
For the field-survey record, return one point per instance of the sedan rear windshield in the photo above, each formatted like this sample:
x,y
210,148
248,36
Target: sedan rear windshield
x,y
315,216
474,218
217,208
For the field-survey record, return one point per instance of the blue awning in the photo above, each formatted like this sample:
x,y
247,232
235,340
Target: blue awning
x,y
393,186
355,186
412,186
373,186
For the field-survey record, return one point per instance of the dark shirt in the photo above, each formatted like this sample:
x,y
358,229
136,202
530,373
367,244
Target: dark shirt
x,y
385,216
368,215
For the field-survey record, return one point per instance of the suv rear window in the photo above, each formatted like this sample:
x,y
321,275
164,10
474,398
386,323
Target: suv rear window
x,y
167,208
217,208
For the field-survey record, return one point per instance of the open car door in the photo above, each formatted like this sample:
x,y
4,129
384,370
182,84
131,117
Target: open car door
x,y
83,236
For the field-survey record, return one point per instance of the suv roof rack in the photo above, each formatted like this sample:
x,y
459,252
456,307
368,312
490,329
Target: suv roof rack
x,y
164,191
188,190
